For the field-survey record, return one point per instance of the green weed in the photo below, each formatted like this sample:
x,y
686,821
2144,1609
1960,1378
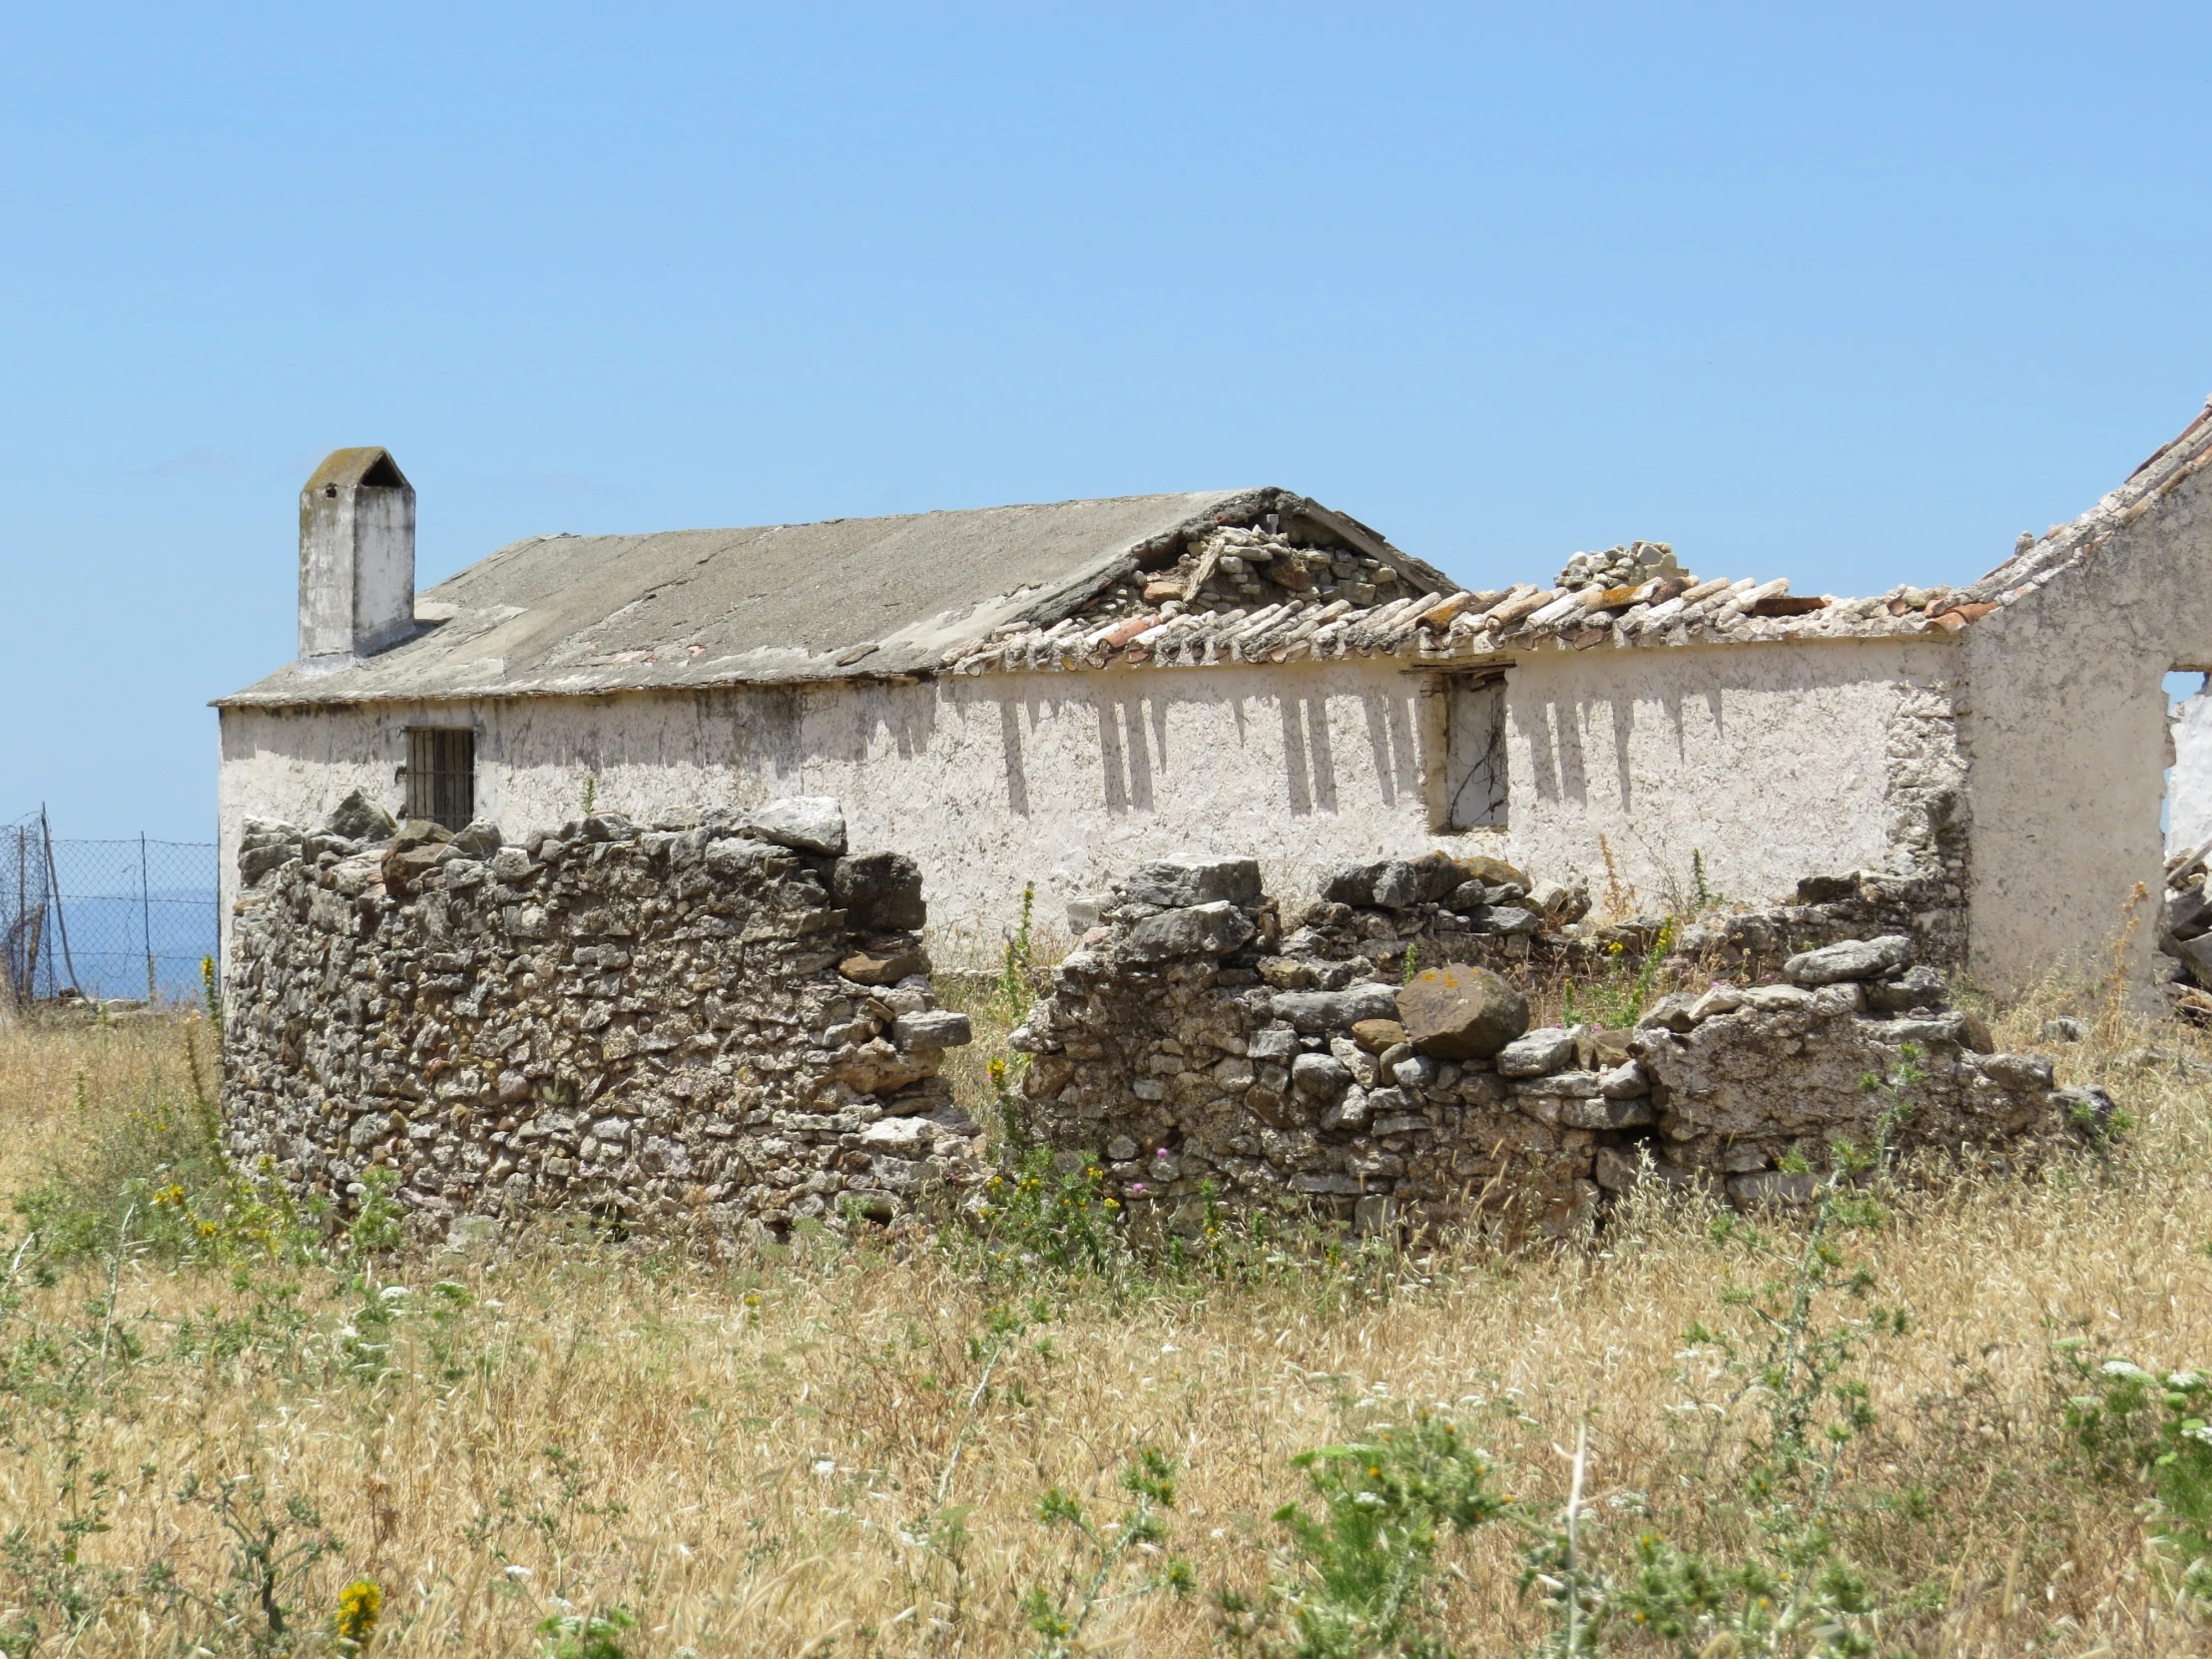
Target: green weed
x,y
2127,1422
1362,1568
1061,1614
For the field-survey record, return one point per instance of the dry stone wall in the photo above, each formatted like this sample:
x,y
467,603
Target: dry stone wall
x,y
1195,1036
728,1019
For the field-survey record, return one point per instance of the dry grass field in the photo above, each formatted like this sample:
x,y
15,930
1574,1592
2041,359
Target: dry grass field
x,y
206,1433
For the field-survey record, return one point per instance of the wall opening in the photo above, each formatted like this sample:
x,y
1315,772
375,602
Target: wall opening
x,y
2186,807
1474,752
441,775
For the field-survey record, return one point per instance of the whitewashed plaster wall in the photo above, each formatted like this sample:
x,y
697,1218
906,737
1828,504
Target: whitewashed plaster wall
x,y
1069,780
2068,734
1772,762
1066,780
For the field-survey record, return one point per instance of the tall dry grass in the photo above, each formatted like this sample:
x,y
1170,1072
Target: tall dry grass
x,y
770,1459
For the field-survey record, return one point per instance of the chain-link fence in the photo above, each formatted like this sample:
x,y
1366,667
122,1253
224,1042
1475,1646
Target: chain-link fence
x,y
102,918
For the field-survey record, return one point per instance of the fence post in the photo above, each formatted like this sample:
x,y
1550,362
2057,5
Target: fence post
x,y
53,894
146,918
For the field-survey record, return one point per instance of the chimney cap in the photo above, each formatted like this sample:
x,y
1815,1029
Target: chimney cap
x,y
369,468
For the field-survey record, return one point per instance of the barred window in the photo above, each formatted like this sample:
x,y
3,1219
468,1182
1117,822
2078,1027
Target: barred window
x,y
441,775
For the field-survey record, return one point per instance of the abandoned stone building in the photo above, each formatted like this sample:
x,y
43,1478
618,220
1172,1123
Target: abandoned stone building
x,y
1053,695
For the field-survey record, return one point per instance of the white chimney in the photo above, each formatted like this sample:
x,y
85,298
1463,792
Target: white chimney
x,y
356,556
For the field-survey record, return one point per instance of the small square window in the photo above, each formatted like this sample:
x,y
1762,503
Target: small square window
x,y
1474,752
441,775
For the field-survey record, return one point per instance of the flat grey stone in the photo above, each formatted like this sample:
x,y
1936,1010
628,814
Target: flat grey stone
x,y
1212,930
1550,1048
898,1137
1505,919
809,822
1625,1082
2024,1073
1339,1186
1316,1011
1176,884
1600,1112
1850,959
939,1029
1572,1085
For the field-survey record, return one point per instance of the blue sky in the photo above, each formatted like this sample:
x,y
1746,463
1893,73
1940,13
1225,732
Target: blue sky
x,y
1848,295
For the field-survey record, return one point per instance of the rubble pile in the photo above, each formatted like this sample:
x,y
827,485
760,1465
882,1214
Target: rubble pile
x,y
727,1018
1370,920
1192,1038
1925,901
2185,932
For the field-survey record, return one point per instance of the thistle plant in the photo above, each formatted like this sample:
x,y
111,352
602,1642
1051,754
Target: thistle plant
x,y
1019,957
1060,1616
1362,1569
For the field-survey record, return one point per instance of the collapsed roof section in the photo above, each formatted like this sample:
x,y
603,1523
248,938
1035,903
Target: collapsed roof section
x,y
1635,595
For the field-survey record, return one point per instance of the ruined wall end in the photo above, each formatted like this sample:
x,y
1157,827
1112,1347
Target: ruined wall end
x,y
674,1025
2067,735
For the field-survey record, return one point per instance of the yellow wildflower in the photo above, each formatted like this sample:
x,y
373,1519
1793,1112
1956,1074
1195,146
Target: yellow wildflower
x,y
360,1603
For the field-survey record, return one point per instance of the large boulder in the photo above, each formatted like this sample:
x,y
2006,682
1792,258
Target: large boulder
x,y
1212,930
1461,1012
879,891
808,823
1175,883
